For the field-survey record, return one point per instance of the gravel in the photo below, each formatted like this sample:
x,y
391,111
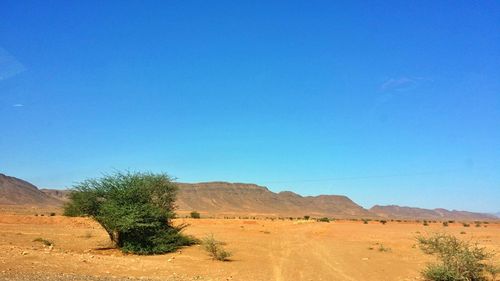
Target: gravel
x,y
39,276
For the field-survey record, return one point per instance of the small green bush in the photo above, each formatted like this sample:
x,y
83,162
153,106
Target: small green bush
x,y
458,260
306,217
215,248
195,215
325,219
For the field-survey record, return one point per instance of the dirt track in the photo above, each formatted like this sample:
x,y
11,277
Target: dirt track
x,y
262,250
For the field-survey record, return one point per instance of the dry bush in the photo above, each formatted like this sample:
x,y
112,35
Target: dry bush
x,y
215,248
45,242
382,248
458,260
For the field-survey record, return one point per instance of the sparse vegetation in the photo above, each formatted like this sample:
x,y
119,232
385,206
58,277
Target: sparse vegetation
x,y
382,248
52,214
426,223
135,209
458,260
306,217
215,248
383,221
445,223
492,271
44,241
325,219
195,215
465,224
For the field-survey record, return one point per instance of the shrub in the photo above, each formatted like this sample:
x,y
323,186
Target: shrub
x,y
135,209
44,241
383,221
365,221
458,260
381,248
325,219
465,224
493,271
52,214
195,215
215,248
306,217
426,223
445,223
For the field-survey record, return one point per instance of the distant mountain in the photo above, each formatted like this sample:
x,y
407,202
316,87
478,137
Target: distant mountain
x,y
58,194
251,199
223,198
14,191
397,212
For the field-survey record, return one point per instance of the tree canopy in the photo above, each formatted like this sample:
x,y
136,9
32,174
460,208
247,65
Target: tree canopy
x,y
135,209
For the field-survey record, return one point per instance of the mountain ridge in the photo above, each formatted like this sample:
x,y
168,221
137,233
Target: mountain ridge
x,y
225,198
404,212
15,191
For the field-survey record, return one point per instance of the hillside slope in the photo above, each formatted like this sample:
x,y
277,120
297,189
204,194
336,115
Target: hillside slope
x,y
398,212
14,191
234,198
223,198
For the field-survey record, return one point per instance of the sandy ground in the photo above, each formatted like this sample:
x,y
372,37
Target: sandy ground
x,y
262,250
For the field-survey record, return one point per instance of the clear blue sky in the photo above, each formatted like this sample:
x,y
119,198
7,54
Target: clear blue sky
x,y
387,102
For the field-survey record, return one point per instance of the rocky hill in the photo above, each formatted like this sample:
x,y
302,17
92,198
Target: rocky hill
x,y
397,212
235,198
223,198
14,191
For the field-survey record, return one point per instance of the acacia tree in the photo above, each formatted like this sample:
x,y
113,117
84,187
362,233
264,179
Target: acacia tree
x,y
135,209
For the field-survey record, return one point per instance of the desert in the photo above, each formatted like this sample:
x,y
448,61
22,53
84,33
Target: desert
x,y
256,140
264,245
263,250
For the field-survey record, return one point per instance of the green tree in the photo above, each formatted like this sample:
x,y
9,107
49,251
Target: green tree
x,y
135,209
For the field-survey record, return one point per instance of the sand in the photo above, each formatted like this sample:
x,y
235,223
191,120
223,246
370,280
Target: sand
x,y
262,250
